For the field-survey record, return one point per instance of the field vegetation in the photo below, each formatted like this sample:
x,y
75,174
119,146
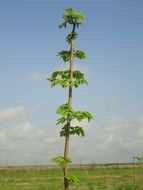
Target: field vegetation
x,y
109,177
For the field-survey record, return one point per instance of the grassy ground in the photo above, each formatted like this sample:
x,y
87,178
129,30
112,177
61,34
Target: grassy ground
x,y
92,178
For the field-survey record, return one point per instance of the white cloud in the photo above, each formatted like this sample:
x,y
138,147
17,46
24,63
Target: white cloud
x,y
22,130
140,123
5,143
140,132
110,138
10,113
121,136
116,123
117,137
140,119
37,76
26,143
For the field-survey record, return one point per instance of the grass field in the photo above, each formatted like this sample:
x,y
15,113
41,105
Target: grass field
x,y
93,178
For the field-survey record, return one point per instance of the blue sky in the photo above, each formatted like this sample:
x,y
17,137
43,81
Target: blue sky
x,y
112,36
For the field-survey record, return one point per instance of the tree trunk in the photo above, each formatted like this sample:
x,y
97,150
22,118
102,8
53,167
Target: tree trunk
x,y
66,148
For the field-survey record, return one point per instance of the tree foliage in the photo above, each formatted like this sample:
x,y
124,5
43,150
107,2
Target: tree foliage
x,y
62,79
65,55
61,161
73,179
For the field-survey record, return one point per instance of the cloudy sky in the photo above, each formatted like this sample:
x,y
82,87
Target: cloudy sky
x,y
30,38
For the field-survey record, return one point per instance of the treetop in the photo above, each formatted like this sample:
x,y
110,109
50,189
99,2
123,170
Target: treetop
x,y
72,17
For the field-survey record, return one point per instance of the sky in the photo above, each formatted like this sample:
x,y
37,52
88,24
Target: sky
x,y
112,36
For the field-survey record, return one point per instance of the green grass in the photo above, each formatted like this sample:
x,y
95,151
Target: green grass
x,y
51,179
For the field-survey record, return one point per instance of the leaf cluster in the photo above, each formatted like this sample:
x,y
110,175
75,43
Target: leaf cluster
x,y
71,36
72,17
65,55
62,78
73,179
68,114
70,130
61,161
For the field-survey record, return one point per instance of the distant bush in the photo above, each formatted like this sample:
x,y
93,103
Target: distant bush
x,y
127,187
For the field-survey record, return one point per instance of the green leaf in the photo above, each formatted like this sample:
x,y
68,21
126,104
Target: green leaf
x,y
80,54
63,25
77,130
65,55
60,78
61,120
70,15
64,110
64,131
73,179
78,79
79,116
61,161
71,36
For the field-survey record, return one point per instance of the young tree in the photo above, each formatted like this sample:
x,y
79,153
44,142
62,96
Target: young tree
x,y
69,79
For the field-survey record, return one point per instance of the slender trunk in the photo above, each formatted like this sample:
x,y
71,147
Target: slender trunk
x,y
134,173
66,148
